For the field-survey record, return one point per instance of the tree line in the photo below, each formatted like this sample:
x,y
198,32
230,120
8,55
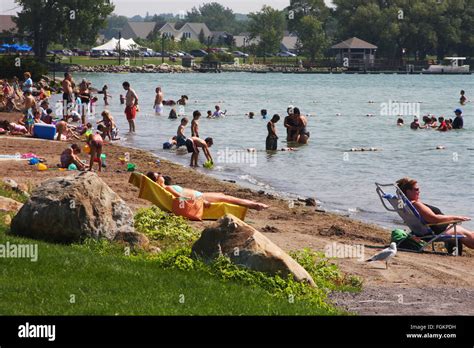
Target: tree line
x,y
415,28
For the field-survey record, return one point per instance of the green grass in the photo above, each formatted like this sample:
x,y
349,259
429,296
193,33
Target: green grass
x,y
99,278
105,282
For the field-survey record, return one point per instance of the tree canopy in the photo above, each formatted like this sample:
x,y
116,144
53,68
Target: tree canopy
x,y
269,25
420,27
69,22
216,17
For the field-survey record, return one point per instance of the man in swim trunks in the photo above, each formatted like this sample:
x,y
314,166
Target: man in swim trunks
x,y
131,106
67,85
85,96
193,144
159,101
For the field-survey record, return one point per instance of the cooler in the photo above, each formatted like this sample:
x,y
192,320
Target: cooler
x,y
44,131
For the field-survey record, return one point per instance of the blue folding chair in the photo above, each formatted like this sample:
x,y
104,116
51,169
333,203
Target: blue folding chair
x,y
419,227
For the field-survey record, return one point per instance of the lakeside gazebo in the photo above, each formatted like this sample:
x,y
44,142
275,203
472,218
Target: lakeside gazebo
x,y
356,53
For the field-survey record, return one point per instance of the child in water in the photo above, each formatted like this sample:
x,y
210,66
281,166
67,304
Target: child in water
x,y
106,95
195,124
173,114
180,137
462,99
263,112
272,138
219,112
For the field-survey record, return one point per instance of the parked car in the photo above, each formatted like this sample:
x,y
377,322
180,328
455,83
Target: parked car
x,y
80,52
68,53
286,54
198,53
240,54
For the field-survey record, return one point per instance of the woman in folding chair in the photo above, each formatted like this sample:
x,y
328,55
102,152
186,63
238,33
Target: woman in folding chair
x,y
433,215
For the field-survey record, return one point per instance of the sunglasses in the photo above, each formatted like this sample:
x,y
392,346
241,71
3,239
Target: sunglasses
x,y
417,189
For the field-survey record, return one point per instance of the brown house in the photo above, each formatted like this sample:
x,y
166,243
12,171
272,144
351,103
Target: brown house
x,y
355,53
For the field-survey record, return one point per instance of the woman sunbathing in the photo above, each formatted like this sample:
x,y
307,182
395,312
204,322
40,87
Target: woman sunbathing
x,y
208,197
433,215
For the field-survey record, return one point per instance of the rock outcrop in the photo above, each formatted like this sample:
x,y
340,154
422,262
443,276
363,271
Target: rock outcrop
x,y
70,209
245,246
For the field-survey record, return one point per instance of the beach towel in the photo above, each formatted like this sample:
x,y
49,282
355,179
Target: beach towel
x,y
163,199
192,209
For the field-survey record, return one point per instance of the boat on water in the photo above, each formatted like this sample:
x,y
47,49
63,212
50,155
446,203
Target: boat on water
x,y
453,65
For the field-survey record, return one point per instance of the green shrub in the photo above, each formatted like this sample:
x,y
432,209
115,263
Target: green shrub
x,y
169,230
324,273
9,67
222,268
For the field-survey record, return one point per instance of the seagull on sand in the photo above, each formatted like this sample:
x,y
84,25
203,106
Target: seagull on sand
x,y
385,254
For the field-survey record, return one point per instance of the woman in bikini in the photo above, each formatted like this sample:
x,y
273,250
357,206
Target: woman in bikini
x,y
208,197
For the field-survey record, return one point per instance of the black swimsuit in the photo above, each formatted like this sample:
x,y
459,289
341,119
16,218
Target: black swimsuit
x,y
291,133
437,229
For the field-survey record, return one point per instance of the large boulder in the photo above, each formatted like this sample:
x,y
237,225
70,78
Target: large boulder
x,y
245,246
70,209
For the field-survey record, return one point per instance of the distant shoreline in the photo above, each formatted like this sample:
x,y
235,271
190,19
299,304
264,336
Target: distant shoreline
x,y
248,68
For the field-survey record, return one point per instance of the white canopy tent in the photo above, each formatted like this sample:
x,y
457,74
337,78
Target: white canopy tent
x,y
112,45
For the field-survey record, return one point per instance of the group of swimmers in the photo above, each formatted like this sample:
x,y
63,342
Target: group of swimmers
x,y
441,124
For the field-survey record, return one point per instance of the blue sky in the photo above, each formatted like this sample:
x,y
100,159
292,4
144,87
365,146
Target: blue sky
x,y
130,8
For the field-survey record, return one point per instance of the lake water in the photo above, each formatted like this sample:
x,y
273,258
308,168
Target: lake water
x,y
338,106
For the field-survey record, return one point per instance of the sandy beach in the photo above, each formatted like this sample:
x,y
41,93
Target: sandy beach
x,y
289,227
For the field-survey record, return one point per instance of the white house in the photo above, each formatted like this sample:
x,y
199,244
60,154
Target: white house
x,y
189,31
